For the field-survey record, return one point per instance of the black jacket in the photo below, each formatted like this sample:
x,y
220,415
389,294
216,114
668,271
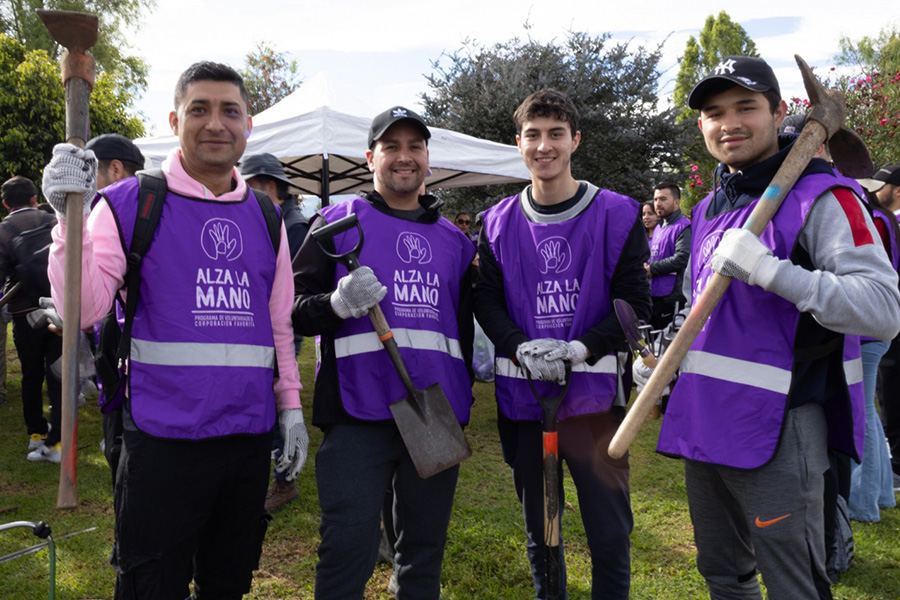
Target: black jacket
x,y
314,282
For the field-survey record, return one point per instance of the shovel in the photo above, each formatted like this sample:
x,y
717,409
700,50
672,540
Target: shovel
x,y
76,32
427,424
631,326
549,420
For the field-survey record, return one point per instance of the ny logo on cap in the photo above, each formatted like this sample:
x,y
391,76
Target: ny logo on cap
x,y
726,66
398,112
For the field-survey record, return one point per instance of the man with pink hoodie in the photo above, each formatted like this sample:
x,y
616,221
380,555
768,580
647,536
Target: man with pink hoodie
x,y
211,368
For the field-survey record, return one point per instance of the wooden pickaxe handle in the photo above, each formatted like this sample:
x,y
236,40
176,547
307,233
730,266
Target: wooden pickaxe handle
x,y
821,124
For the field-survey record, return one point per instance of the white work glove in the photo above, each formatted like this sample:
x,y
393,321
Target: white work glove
x,y
532,355
356,293
575,352
296,443
71,169
743,256
640,373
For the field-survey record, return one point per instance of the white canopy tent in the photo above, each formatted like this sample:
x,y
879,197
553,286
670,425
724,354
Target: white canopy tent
x,y
321,141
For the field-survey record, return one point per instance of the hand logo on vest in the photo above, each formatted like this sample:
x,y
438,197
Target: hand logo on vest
x,y
221,238
556,254
413,248
762,524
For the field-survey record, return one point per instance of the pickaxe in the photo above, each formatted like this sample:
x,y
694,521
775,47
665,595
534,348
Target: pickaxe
x,y
824,122
76,32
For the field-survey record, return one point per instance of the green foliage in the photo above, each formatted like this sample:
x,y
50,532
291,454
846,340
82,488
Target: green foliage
x,y
872,91
720,37
19,20
269,76
32,109
627,142
485,557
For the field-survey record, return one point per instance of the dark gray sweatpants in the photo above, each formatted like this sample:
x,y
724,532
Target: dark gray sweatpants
x,y
769,518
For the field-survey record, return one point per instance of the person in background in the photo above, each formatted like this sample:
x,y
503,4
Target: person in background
x,y
649,218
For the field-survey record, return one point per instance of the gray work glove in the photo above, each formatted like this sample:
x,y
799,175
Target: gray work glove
x,y
575,352
296,443
356,293
743,256
532,355
71,169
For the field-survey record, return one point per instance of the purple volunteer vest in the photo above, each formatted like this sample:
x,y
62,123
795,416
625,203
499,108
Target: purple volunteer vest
x,y
729,403
421,265
557,283
202,353
662,245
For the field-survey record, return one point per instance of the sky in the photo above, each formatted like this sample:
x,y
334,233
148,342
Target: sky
x,y
383,49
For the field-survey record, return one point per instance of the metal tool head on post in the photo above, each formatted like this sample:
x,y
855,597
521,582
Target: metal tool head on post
x,y
828,108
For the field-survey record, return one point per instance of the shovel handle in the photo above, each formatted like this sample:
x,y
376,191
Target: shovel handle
x,y
390,344
812,136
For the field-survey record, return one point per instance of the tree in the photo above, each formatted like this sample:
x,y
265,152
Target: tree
x,y
269,76
872,91
33,107
627,142
720,37
19,20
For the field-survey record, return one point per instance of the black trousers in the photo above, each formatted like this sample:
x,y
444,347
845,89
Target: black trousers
x,y
189,510
38,349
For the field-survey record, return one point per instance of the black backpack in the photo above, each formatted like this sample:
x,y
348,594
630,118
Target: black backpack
x,y
114,343
31,249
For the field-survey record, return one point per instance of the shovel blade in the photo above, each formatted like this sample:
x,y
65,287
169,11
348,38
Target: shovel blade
x,y
433,436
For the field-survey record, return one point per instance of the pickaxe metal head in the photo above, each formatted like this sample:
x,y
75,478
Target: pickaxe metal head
x,y
827,107
74,31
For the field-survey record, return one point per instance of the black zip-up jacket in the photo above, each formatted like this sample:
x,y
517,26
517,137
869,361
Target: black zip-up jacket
x,y
312,315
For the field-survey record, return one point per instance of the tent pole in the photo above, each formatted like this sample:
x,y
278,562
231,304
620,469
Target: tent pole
x,y
325,180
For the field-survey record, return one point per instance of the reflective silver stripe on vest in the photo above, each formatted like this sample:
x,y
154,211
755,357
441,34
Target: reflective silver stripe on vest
x,y
853,371
416,339
735,370
606,365
177,354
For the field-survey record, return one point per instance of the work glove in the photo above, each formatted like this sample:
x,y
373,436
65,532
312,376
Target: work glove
x,y
71,169
356,293
640,373
575,352
743,256
296,443
532,355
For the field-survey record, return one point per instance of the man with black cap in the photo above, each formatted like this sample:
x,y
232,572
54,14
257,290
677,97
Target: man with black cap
x,y
774,378
264,172
425,262
887,190
117,158
38,348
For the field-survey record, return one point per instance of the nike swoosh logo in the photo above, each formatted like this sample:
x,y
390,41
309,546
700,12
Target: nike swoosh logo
x,y
762,524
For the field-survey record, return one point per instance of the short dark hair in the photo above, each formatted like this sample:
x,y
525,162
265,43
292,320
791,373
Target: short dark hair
x,y
676,191
209,71
18,191
547,103
459,214
130,167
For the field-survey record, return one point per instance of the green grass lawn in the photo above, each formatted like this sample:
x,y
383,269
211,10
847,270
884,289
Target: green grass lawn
x,y
485,556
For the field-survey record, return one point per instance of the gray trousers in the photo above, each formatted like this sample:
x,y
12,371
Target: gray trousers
x,y
769,518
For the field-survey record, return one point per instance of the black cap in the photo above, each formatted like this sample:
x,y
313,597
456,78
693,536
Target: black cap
x,y
792,125
112,146
751,73
264,164
889,174
385,120
17,190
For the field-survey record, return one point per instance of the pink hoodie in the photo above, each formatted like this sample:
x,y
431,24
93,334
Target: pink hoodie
x,y
104,264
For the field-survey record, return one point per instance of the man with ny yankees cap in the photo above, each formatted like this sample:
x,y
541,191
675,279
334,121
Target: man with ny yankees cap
x,y
775,377
417,266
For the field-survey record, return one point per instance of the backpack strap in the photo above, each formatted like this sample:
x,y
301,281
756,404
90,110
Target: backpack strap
x,y
152,194
272,217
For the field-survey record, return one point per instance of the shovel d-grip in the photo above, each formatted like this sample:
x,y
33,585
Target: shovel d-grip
x,y
550,438
41,530
424,418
